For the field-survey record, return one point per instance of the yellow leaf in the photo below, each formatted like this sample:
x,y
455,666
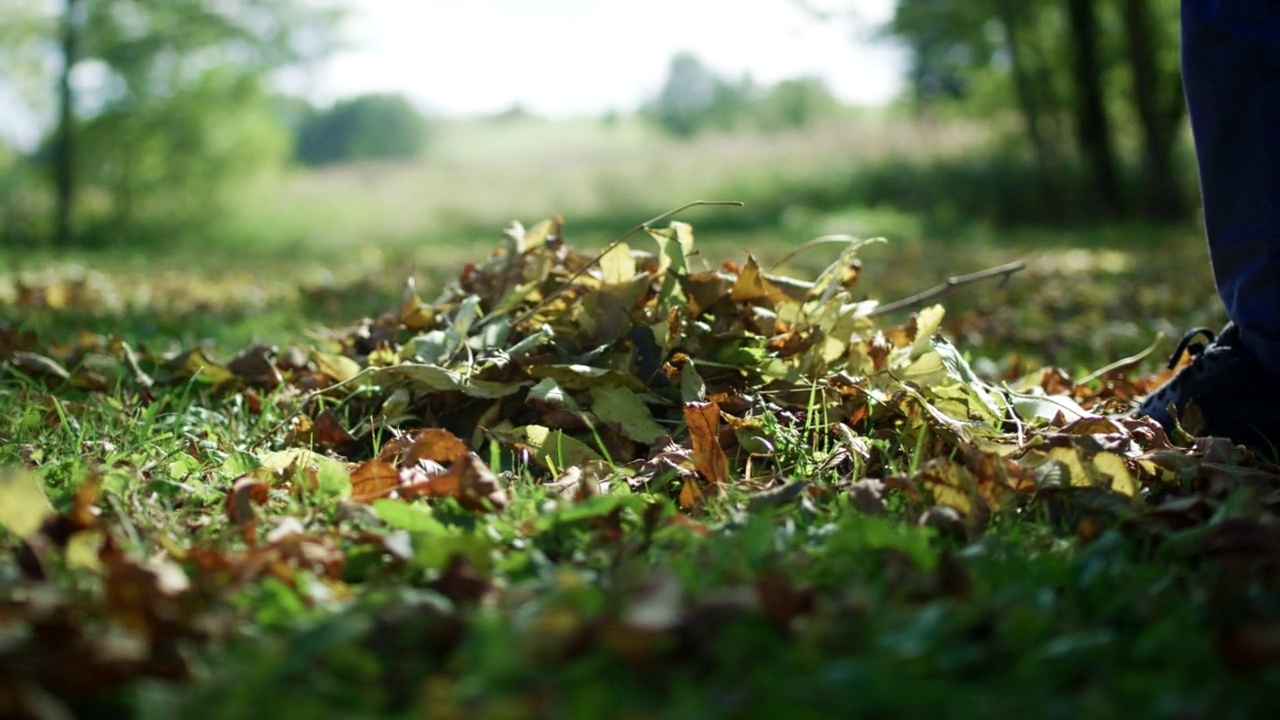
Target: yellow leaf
x,y
23,505
83,550
1087,468
554,447
675,243
753,286
339,367
1122,480
928,321
196,364
949,483
617,265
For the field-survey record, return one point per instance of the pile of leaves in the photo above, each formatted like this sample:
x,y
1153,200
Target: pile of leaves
x,y
628,391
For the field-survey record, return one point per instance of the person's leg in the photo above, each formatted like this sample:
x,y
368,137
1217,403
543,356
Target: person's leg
x,y
1231,73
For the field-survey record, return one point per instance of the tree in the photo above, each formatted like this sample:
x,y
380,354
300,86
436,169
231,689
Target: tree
x,y
368,127
948,44
180,100
1078,73
795,103
694,98
165,164
1157,97
1093,125
1032,102
64,176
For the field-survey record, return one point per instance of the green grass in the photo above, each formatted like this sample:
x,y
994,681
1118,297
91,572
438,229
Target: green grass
x,y
816,610
812,610
482,175
618,605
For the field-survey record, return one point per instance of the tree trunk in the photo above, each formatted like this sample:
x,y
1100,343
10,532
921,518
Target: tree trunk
x,y
1093,127
64,156
1157,99
1029,106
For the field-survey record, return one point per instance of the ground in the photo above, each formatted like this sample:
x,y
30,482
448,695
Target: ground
x,y
694,476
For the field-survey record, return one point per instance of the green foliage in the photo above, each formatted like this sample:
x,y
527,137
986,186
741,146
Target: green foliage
x,y
1083,78
177,161
948,42
368,127
173,119
695,99
21,204
24,32
795,103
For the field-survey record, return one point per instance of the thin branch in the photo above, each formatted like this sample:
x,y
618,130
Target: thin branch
x,y
1123,363
625,236
1000,271
841,238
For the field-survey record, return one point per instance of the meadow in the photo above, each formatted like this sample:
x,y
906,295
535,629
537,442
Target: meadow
x,y
260,476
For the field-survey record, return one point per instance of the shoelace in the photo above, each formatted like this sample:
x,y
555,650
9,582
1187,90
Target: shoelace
x,y
1186,344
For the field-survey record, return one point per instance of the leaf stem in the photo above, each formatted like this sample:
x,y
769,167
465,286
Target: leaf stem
x,y
1001,271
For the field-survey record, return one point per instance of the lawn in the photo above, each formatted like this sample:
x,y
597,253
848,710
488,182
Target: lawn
x,y
674,481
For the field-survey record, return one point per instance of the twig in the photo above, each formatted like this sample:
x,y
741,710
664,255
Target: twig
x,y
591,263
825,239
1122,363
1001,271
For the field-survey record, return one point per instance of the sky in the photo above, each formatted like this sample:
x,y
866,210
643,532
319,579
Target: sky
x,y
565,57
571,57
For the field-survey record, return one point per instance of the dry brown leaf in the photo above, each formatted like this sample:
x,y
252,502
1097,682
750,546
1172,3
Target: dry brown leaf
x,y
245,493
256,365
329,432
461,583
434,444
690,495
703,419
372,480
468,480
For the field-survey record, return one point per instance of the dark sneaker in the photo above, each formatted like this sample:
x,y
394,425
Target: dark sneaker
x,y
1237,397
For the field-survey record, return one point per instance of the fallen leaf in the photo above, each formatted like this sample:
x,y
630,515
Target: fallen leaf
x,y
703,420
436,445
23,505
621,405
468,480
244,495
373,479
689,496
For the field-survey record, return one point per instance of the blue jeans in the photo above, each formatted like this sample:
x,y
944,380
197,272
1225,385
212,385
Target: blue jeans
x,y
1231,74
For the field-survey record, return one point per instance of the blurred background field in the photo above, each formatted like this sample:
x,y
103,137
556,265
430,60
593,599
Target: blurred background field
x,y
165,172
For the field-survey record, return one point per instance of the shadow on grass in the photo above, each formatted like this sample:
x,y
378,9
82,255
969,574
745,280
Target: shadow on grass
x,y
183,315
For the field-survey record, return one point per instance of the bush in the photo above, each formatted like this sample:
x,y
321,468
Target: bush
x,y
368,127
21,209
695,99
795,103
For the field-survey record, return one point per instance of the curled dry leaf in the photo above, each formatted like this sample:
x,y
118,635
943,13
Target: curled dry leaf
x,y
246,493
467,480
703,419
373,479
